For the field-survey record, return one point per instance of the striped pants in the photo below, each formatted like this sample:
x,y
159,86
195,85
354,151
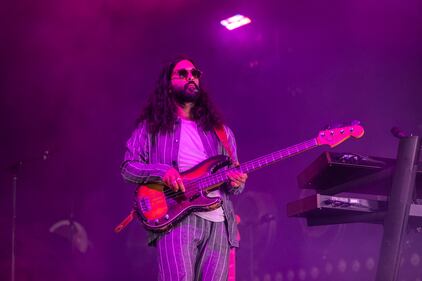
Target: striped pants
x,y
196,249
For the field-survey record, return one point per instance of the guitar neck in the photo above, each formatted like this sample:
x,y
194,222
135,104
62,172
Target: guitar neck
x,y
271,158
266,160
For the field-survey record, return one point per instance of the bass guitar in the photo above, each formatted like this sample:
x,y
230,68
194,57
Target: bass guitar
x,y
159,208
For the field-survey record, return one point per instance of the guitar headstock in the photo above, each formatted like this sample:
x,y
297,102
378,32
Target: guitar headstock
x,y
335,136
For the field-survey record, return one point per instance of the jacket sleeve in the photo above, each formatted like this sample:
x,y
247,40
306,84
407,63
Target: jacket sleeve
x,y
136,167
232,143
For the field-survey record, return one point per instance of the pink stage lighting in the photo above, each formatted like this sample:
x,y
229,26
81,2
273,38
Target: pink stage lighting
x,y
235,22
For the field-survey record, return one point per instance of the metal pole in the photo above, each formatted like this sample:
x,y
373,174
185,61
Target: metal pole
x,y
13,264
400,199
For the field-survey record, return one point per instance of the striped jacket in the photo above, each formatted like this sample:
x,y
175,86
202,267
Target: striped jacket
x,y
147,161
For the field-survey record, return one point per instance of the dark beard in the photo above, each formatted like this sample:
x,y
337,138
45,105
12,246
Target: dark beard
x,y
186,95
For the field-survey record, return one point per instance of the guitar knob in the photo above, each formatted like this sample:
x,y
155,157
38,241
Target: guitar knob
x,y
156,221
167,217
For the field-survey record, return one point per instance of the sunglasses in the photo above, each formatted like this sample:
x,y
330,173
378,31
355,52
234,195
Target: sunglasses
x,y
183,73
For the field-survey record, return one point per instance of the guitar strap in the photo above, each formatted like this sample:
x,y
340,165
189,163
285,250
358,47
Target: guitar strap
x,y
222,135
125,222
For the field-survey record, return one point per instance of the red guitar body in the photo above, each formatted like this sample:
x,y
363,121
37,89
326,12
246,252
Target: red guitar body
x,y
160,208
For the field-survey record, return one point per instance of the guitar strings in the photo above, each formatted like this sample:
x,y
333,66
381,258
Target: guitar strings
x,y
209,179
197,184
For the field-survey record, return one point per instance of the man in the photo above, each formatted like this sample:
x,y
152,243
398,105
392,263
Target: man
x,y
176,131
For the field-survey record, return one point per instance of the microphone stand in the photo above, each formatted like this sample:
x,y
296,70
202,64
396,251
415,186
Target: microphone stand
x,y
14,169
14,186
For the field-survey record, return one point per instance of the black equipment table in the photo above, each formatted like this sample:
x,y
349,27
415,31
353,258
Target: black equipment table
x,y
356,188
333,173
320,209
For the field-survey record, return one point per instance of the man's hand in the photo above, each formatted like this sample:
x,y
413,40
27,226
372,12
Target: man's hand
x,y
237,178
173,180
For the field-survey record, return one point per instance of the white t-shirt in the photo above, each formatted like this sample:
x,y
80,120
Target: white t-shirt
x,y
191,153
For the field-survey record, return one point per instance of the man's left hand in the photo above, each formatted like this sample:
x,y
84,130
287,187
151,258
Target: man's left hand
x,y
237,178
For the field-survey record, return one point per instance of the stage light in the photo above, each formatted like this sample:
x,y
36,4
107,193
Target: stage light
x,y
235,21
314,272
415,259
370,263
290,275
301,274
342,265
356,266
278,276
267,277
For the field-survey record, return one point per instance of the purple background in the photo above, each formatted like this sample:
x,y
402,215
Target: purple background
x,y
74,75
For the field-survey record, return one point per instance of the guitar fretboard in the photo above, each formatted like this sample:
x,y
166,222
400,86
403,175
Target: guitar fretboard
x,y
252,165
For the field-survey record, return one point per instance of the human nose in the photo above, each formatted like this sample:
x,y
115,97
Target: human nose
x,y
190,76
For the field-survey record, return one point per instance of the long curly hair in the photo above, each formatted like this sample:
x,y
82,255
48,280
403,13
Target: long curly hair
x,y
160,112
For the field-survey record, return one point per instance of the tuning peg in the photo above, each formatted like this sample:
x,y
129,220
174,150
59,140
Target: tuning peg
x,y
332,126
326,127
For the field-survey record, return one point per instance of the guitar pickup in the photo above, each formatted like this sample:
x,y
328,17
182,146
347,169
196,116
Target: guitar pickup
x,y
145,205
